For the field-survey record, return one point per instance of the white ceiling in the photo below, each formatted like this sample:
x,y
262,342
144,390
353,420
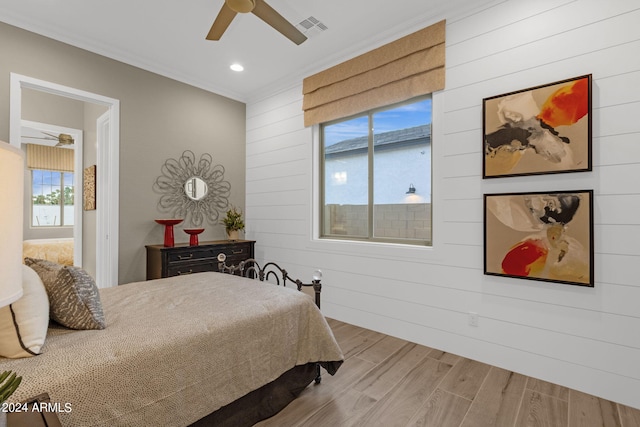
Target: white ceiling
x,y
168,36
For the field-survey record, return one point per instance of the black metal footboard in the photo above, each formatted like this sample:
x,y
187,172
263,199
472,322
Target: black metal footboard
x,y
274,273
270,271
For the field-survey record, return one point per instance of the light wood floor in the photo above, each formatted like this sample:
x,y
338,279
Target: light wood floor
x,y
386,382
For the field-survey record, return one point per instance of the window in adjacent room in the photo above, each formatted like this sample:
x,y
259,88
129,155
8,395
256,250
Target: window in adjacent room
x,y
52,195
376,175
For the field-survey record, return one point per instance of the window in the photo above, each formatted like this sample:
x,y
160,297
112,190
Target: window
x,y
52,194
376,175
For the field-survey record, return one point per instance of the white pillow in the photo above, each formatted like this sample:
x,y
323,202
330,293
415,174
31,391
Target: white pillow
x,y
24,334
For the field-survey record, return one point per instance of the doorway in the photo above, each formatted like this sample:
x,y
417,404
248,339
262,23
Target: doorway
x,y
107,164
44,134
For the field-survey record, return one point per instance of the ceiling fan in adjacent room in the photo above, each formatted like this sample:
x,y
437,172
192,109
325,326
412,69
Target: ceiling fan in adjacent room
x,y
63,139
259,8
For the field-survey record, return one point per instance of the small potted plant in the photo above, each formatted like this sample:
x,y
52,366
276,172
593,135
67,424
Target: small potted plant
x,y
8,384
233,222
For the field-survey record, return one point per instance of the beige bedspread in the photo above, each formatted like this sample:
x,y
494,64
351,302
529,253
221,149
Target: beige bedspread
x,y
175,350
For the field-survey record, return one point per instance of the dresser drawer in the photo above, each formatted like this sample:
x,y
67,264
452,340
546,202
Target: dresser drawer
x,y
191,253
235,253
181,269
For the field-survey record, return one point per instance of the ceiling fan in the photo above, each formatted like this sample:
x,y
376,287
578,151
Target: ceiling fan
x,y
259,8
63,138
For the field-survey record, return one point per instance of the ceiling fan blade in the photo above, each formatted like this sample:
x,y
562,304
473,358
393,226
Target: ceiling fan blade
x,y
220,25
53,136
41,137
277,21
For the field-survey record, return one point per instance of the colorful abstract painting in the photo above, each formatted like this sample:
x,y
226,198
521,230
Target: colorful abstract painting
x,y
544,129
540,236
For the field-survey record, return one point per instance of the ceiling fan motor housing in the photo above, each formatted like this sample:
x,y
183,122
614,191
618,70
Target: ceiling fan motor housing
x,y
259,8
241,6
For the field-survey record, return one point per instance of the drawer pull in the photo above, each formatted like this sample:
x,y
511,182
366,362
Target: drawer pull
x,y
181,273
237,251
181,257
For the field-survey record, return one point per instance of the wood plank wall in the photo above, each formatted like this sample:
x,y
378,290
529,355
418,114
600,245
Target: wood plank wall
x,y
582,338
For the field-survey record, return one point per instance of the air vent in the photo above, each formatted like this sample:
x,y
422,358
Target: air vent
x,y
311,27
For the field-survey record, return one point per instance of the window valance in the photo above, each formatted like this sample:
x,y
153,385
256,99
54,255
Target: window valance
x,y
45,157
408,67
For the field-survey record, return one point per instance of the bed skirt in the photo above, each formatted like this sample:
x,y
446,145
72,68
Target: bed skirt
x,y
264,402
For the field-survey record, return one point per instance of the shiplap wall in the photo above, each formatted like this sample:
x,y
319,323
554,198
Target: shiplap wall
x,y
583,338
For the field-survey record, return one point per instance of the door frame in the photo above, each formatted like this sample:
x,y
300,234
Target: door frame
x,y
107,198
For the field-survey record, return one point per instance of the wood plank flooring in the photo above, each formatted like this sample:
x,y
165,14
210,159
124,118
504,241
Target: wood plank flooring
x,y
388,382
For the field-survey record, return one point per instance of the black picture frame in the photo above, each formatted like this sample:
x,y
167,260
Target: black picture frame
x,y
539,130
546,236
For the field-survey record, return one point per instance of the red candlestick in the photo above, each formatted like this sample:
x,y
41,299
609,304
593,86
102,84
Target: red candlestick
x,y
169,241
193,235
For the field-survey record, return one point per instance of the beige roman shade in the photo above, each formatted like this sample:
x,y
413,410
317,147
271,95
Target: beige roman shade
x,y
49,158
400,70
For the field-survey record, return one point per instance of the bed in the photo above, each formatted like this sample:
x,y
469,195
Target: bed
x,y
56,250
203,349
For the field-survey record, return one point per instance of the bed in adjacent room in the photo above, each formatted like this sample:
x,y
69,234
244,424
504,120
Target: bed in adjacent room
x,y
58,250
179,349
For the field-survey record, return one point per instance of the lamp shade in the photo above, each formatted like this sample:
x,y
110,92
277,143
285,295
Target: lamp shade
x,y
11,209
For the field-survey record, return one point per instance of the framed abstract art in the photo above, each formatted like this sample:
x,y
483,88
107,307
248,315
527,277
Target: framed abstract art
x,y
540,130
89,188
544,236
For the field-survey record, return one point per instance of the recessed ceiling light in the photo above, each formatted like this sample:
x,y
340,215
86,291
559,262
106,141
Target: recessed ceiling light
x,y
236,67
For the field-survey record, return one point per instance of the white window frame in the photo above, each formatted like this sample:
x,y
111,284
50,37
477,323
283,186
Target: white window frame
x,y
370,159
391,251
62,205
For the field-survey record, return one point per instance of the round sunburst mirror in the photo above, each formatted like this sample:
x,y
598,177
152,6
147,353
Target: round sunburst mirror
x,y
193,190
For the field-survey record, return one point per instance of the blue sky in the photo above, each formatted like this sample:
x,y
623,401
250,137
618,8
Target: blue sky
x,y
44,181
402,117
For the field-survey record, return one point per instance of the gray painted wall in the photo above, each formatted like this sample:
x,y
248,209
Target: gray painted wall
x,y
159,119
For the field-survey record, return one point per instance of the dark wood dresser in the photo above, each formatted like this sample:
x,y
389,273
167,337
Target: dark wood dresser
x,y
184,259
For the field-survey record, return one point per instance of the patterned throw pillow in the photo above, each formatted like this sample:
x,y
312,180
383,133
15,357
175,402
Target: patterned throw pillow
x,y
23,324
73,295
47,270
